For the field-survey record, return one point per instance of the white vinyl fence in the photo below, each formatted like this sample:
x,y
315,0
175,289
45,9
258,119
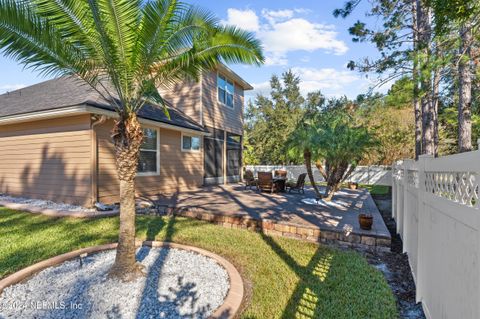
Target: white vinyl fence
x,y
371,175
437,209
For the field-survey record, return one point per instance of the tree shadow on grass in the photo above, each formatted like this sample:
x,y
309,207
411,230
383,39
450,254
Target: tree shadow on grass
x,y
154,227
303,303
334,285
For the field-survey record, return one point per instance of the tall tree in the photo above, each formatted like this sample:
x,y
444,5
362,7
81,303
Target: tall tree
x,y
465,89
424,51
132,47
340,144
390,119
458,21
404,40
416,100
269,121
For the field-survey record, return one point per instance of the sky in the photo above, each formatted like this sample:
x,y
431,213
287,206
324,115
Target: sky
x,y
301,35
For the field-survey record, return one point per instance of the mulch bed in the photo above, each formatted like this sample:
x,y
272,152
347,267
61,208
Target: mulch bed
x,y
394,265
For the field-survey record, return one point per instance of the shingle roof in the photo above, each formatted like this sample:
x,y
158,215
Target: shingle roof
x,y
69,91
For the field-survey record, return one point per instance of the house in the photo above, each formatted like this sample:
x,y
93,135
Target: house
x,y
55,139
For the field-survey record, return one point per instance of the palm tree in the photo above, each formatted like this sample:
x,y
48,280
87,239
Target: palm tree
x,y
130,47
300,145
341,146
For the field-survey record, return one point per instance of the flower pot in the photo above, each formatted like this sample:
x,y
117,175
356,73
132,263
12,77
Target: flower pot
x,y
366,221
352,185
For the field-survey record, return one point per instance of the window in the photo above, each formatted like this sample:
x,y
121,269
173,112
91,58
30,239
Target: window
x,y
225,91
148,162
190,143
234,138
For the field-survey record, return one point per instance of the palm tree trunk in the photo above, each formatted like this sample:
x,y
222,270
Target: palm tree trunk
x,y
307,155
334,182
465,90
127,136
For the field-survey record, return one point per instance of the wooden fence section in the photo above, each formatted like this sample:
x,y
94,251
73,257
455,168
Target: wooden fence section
x,y
437,209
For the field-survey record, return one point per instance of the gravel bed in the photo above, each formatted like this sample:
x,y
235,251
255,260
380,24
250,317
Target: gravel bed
x,y
178,284
46,204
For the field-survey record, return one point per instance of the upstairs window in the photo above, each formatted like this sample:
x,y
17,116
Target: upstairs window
x,y
225,91
149,153
190,143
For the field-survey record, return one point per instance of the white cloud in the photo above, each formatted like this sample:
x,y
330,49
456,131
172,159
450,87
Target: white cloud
x,y
302,10
259,88
331,82
277,15
245,19
282,31
325,79
10,87
299,34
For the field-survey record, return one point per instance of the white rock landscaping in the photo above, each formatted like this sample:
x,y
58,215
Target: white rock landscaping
x,y
46,204
178,284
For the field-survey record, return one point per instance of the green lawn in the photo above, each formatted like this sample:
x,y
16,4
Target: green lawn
x,y
285,278
373,189
376,189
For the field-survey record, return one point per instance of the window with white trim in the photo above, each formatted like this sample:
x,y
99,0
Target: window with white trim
x,y
190,142
225,91
149,153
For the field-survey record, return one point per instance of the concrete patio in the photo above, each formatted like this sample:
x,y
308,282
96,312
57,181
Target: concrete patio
x,y
283,214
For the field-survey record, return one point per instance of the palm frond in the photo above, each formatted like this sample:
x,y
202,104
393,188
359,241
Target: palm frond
x,y
71,18
130,44
234,45
33,41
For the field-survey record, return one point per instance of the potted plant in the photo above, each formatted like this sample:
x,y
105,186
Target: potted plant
x,y
352,185
366,221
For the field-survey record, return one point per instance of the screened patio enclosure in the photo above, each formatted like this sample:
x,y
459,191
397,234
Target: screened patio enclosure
x,y
223,157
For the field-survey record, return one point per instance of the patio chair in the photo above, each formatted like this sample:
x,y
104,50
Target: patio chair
x,y
298,185
250,179
280,173
265,182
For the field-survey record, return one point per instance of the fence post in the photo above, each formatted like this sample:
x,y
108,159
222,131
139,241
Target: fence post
x,y
401,216
423,162
394,191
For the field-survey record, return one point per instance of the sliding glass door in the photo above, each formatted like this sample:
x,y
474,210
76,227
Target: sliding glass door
x,y
213,146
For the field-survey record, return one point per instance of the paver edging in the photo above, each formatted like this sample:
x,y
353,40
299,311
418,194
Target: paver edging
x,y
229,308
268,226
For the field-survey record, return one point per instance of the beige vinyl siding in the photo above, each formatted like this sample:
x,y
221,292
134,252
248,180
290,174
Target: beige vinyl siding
x,y
185,97
47,159
217,115
179,171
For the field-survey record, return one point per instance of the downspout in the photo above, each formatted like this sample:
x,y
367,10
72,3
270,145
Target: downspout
x,y
96,120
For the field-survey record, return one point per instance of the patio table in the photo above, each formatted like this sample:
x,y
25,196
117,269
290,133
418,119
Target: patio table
x,y
280,181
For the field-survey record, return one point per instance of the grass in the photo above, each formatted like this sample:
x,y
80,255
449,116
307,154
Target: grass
x,y
285,278
376,189
373,189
